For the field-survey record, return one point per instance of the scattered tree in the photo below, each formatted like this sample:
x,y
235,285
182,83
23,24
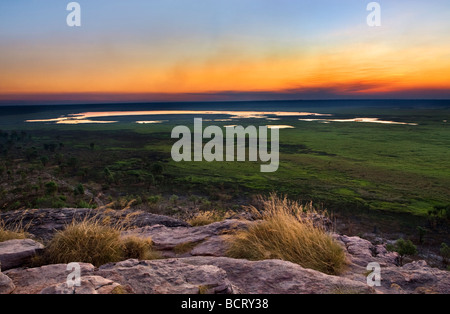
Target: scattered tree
x,y
31,153
403,248
157,169
59,158
79,189
44,160
422,232
50,147
109,177
154,199
194,199
51,187
174,199
73,162
445,253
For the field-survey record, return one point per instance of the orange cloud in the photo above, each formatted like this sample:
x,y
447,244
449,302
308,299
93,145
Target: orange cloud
x,y
356,68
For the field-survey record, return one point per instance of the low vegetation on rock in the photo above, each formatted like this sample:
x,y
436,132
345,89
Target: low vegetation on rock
x,y
287,233
92,241
403,248
205,218
11,233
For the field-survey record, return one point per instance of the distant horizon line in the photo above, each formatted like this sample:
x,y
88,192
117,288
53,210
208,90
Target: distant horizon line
x,y
236,96
69,103
87,103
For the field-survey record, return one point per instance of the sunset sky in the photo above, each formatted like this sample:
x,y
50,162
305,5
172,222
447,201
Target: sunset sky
x,y
165,50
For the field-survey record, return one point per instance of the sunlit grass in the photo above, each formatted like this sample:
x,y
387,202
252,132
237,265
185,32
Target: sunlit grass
x,y
205,218
93,241
287,233
11,233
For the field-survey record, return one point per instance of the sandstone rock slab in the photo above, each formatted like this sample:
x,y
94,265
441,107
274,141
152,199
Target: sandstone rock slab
x,y
415,278
88,285
278,277
15,253
170,276
165,238
214,246
6,284
34,280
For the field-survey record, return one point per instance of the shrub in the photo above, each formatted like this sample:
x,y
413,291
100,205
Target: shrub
x,y
59,202
79,189
154,199
287,233
194,199
403,248
445,253
44,160
174,199
51,201
91,241
51,187
83,204
422,232
157,168
205,204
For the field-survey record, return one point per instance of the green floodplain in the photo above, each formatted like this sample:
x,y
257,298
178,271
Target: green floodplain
x,y
372,177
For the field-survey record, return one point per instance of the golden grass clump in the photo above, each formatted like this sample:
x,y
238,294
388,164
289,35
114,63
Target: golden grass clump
x,y
11,233
92,241
287,232
134,247
205,218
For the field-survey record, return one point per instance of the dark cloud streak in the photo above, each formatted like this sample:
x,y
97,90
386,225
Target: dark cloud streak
x,y
324,93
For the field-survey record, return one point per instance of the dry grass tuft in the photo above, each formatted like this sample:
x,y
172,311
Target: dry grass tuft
x,y
94,241
134,247
11,233
287,232
205,218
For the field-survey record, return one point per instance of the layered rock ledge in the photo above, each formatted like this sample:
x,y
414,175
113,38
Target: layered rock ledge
x,y
195,262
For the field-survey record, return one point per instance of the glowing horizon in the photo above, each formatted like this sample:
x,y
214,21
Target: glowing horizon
x,y
223,50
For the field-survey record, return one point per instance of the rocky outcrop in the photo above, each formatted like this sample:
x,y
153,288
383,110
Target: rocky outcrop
x,y
34,280
42,223
218,275
191,275
415,278
6,284
210,237
15,253
88,285
214,246
196,263
171,276
278,277
361,252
